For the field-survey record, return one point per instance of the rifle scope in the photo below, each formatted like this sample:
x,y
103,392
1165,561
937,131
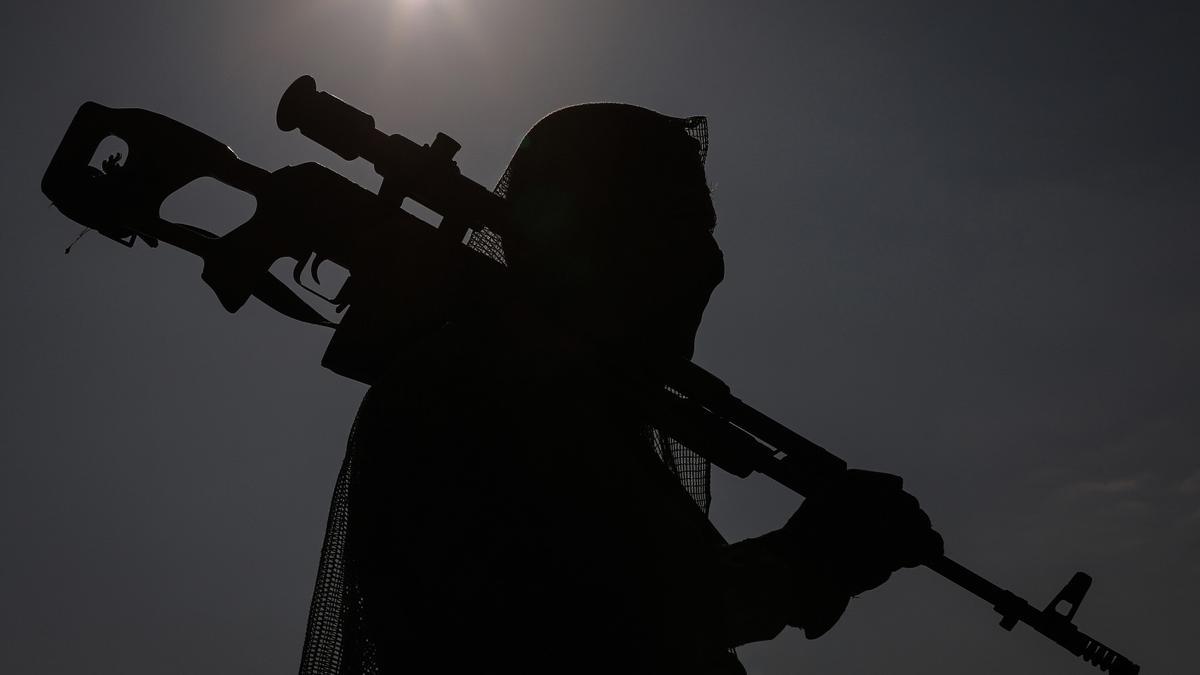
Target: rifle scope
x,y
427,173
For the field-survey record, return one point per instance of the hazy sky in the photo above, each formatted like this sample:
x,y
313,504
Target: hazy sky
x,y
961,244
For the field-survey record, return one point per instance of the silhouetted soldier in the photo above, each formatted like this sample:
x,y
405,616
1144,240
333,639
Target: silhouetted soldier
x,y
501,510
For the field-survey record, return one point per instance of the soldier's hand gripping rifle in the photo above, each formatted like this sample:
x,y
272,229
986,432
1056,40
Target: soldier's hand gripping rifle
x,y
398,261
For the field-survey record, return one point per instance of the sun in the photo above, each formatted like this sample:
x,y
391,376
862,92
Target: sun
x,y
425,13
415,5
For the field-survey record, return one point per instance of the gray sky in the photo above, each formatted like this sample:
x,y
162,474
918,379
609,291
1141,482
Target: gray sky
x,y
961,245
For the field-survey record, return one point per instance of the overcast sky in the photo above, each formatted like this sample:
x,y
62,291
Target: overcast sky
x,y
961,242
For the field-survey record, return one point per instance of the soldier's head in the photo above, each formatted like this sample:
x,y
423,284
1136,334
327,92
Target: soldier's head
x,y
616,223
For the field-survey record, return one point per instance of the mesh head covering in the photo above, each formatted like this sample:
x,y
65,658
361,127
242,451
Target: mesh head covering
x,y
336,642
577,137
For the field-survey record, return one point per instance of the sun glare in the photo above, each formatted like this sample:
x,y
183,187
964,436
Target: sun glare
x,y
427,9
426,14
414,4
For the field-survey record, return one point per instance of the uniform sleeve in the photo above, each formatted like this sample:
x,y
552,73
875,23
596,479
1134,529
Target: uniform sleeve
x,y
760,591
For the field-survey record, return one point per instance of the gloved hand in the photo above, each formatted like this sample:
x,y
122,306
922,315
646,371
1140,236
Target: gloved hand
x,y
849,539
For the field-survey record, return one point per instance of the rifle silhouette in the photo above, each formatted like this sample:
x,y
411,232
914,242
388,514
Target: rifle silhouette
x,y
407,277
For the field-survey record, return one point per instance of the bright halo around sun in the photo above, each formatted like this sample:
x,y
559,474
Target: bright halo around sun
x,y
418,5
415,10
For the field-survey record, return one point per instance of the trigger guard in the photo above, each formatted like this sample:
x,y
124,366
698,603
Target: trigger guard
x,y
298,270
